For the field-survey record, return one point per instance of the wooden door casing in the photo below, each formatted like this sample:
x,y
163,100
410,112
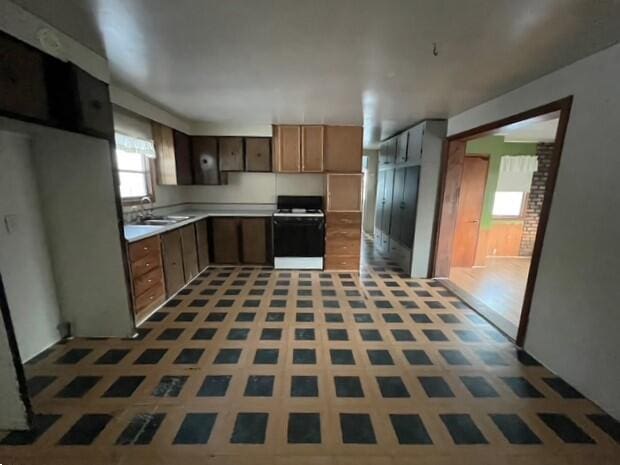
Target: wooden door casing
x,y
471,199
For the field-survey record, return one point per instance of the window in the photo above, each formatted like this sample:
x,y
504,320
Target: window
x,y
508,204
133,161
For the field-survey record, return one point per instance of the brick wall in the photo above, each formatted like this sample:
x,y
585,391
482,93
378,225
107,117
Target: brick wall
x,y
544,152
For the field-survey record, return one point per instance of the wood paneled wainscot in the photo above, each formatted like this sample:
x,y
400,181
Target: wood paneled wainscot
x,y
147,275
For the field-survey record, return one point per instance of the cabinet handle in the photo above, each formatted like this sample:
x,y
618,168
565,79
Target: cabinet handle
x,y
151,297
150,281
147,265
145,248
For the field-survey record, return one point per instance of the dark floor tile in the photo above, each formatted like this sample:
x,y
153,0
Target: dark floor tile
x,y
327,292
124,386
36,384
204,334
409,304
225,303
435,386
449,318
491,358
521,387
304,428
342,357
304,317
214,386
245,316
141,429
420,318
141,333
73,356
304,292
216,316
435,335
410,429
186,317
250,428
362,318
304,386
40,424
565,428
357,304
563,388
392,386
170,334
232,292
85,430
607,423
392,318
462,429
357,428
196,428
227,356
173,303
526,359
259,386
199,302
189,356
78,387
256,292
337,335
479,387
417,357
454,357
251,303
334,318
238,334
514,429
370,335
379,357
348,386
304,334
467,335
169,386
266,356
280,292
304,356
383,304
150,357
271,334
275,316
402,335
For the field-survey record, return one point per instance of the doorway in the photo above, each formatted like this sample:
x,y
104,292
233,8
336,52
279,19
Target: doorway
x,y
497,189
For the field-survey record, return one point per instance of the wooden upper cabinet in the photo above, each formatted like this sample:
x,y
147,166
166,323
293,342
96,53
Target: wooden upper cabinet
x,y
230,153
343,149
164,146
93,111
183,158
344,192
205,160
312,145
258,154
289,149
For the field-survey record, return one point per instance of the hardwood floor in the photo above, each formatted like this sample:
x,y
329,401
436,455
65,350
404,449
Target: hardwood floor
x,y
495,290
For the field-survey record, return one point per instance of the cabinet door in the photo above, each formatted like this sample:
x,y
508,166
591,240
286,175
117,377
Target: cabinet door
x,y
344,192
416,135
164,146
190,255
398,205
289,149
231,153
258,154
205,163
93,107
202,244
380,203
254,241
387,209
225,240
312,149
183,158
343,149
402,142
387,152
410,198
173,261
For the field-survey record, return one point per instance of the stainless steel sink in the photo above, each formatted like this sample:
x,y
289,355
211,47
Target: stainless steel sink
x,y
163,220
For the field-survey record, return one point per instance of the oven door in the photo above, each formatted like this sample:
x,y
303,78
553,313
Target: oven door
x,y
298,236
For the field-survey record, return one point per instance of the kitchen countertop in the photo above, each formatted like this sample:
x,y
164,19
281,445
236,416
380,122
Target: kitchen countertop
x,y
136,232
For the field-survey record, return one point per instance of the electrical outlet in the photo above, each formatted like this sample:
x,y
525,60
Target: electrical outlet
x,y
10,223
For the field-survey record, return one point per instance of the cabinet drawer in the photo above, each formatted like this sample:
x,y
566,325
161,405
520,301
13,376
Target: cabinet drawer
x,y
145,264
143,248
148,280
343,234
342,247
153,297
342,262
343,219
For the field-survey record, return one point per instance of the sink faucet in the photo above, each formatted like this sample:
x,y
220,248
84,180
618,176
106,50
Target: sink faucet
x,y
146,213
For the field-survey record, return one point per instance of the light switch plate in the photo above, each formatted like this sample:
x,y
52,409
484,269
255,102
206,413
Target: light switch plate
x,y
10,223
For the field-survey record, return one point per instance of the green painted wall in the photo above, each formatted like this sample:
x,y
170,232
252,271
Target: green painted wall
x,y
495,147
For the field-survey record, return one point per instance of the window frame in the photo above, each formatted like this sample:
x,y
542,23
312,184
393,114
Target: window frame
x,y
521,214
149,175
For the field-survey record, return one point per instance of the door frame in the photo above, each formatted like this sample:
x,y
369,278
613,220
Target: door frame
x,y
445,218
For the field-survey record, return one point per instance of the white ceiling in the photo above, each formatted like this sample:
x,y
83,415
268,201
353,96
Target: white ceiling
x,y
331,61
530,130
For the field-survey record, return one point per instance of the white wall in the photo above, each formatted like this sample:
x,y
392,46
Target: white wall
x,y
24,257
575,315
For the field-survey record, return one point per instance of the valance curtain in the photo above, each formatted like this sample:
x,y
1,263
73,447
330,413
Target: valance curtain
x,y
134,145
515,173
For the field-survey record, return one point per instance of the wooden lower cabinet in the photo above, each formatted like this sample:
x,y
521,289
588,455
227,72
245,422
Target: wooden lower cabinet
x,y
343,240
225,234
147,275
254,241
202,244
241,241
172,253
190,254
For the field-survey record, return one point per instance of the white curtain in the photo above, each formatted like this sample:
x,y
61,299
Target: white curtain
x,y
134,145
515,173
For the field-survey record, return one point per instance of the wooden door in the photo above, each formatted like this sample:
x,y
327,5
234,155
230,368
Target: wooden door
x,y
258,154
289,149
225,240
402,143
312,143
202,244
343,149
163,140
205,160
230,153
173,261
398,206
190,254
254,241
344,192
410,199
183,158
471,198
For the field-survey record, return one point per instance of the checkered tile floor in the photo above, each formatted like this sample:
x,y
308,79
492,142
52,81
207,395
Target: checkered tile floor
x,y
252,365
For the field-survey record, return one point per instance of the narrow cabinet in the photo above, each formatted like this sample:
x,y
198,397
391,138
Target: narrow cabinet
x,y
344,192
254,241
172,252
258,154
288,149
190,255
225,234
202,244
205,160
230,153
312,145
183,158
343,149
